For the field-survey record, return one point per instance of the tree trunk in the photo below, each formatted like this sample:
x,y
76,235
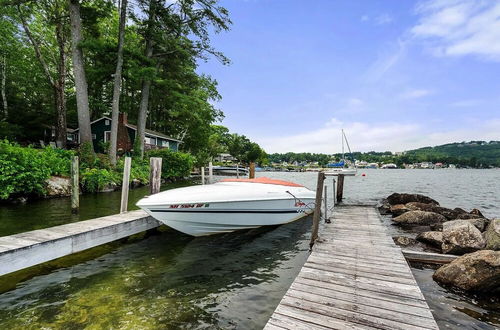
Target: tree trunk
x,y
146,86
82,96
4,97
115,108
59,89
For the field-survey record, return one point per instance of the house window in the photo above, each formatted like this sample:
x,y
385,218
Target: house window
x,y
107,122
94,137
164,143
107,136
149,140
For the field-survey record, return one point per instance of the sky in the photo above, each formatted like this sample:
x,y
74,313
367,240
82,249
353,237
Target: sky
x,y
395,75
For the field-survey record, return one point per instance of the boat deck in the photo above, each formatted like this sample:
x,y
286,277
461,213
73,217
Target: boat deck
x,y
355,278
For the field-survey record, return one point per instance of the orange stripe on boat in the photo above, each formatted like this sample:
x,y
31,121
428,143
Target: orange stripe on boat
x,y
265,181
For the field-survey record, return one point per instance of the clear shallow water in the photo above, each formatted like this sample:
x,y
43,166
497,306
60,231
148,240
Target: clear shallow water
x,y
170,280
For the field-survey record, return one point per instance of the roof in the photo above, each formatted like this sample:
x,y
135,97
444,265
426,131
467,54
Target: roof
x,y
265,181
134,127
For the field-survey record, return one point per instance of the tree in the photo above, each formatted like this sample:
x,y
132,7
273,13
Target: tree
x,y
117,84
171,24
82,96
53,14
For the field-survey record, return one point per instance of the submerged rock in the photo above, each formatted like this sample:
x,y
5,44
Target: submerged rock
x,y
434,238
398,209
460,236
109,187
474,272
404,240
419,218
58,186
492,235
408,198
447,213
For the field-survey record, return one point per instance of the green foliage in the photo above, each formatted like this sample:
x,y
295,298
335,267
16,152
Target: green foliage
x,y
174,164
95,179
87,155
23,171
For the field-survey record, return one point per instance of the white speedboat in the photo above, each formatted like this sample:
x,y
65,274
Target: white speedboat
x,y
230,205
341,171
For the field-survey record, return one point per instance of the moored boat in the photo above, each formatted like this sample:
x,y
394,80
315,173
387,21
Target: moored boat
x,y
230,205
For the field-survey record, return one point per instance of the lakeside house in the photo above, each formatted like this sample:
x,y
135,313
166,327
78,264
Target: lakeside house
x,y
101,134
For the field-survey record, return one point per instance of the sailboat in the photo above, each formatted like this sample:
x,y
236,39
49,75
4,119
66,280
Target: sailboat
x,y
340,167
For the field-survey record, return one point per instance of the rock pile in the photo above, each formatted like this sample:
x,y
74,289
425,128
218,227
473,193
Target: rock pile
x,y
470,235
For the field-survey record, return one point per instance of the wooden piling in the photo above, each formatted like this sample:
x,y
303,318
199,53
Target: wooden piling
x,y
325,201
203,175
125,184
317,208
154,175
340,188
75,187
210,173
251,172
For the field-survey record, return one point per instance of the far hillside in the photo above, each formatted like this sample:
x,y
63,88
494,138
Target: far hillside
x,y
475,153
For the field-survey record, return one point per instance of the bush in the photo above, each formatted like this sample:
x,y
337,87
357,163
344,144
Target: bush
x,y
94,179
175,164
22,170
58,160
138,171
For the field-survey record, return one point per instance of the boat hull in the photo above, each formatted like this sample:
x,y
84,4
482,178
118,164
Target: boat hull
x,y
215,218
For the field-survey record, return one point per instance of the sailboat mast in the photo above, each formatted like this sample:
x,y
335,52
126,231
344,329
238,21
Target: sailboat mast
x,y
343,155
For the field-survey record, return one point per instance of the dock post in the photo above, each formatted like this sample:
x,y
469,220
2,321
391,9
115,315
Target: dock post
x,y
340,188
251,172
326,204
75,187
125,184
210,172
317,208
154,175
203,175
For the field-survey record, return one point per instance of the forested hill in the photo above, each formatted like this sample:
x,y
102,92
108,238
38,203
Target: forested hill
x,y
477,152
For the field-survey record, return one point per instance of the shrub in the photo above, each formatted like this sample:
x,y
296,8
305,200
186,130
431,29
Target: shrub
x,y
175,164
58,160
94,179
139,169
22,170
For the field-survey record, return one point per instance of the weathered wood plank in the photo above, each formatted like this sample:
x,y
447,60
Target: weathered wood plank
x,y
355,278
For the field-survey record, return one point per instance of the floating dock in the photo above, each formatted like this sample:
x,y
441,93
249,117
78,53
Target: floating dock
x,y
35,247
355,278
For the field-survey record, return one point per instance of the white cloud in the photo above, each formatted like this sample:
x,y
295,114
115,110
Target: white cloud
x,y
415,94
365,18
393,136
467,103
460,27
355,102
385,62
383,19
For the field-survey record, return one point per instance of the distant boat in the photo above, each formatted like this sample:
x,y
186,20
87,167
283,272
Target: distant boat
x,y
229,205
340,167
389,166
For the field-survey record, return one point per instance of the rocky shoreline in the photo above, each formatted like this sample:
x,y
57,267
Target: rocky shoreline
x,y
470,235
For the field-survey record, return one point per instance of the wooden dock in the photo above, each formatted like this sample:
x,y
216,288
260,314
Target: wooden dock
x,y
35,247
355,278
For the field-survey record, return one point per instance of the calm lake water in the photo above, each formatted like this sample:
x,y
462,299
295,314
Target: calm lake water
x,y
170,280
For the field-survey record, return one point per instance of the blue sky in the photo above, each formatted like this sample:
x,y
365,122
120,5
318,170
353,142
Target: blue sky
x,y
394,74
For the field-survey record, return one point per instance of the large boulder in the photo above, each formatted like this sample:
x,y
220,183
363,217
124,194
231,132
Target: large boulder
x,y
418,218
434,238
404,240
474,272
460,236
57,186
465,216
447,213
398,209
492,235
479,223
408,198
477,212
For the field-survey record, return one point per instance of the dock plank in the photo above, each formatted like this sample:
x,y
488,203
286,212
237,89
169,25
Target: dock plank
x,y
355,278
